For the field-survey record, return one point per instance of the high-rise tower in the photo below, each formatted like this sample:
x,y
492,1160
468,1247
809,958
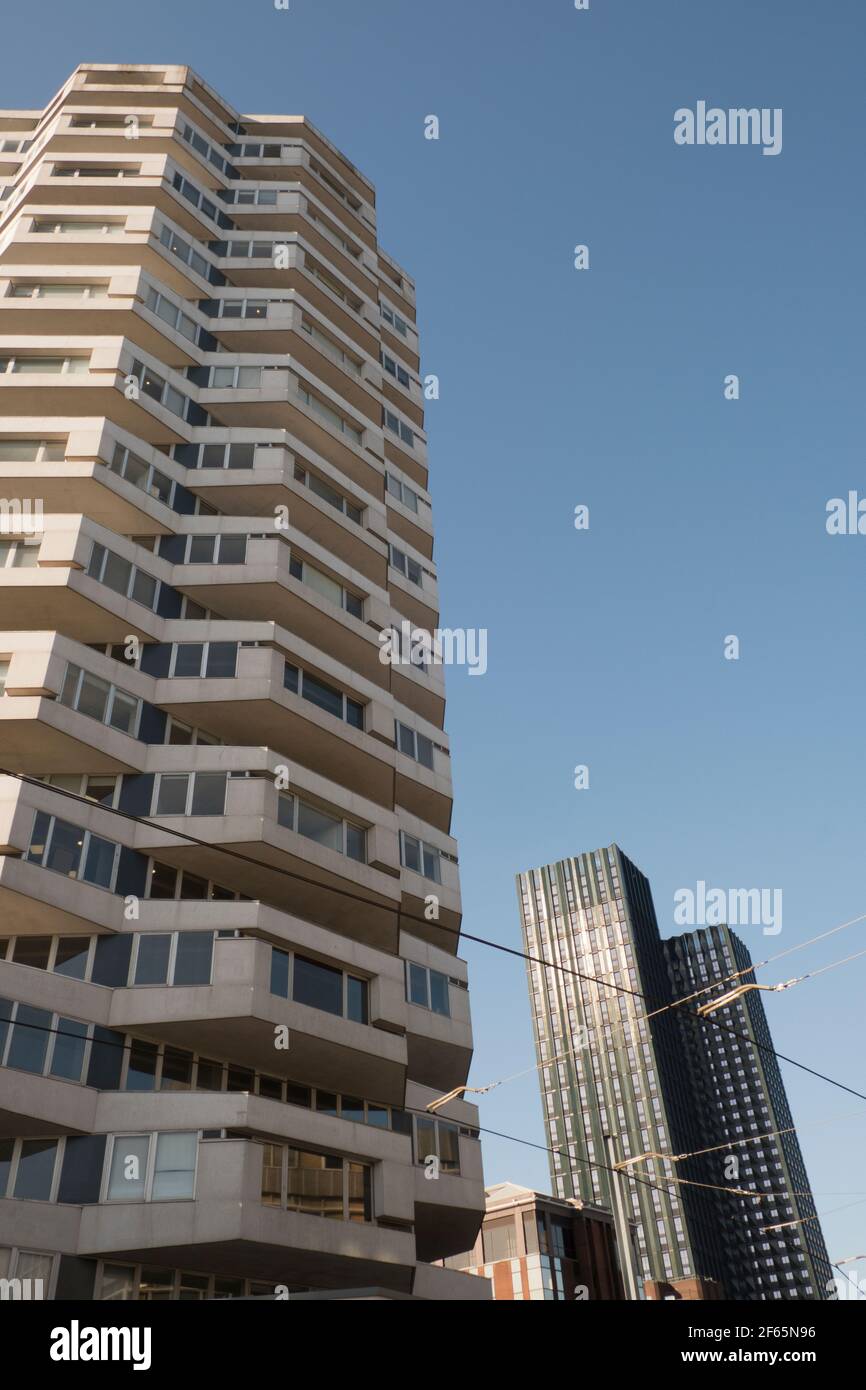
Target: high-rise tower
x,y
229,895
622,1076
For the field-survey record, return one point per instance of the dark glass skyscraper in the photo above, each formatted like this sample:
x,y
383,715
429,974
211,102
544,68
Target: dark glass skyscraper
x,y
620,1079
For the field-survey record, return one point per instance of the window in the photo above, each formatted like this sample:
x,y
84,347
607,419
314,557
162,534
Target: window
x,y
427,988
393,368
32,450
393,319
19,554
499,1240
424,859
203,659
315,1183
440,1139
325,696
181,248
319,986
323,584
67,849
189,191
170,313
122,576
98,698
406,565
327,412
49,226
34,1173
60,289
398,427
405,494
190,794
325,829
415,745
213,550
152,1167
159,390
328,494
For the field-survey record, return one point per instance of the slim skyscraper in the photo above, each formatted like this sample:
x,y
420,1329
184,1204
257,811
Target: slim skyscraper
x,y
617,1083
226,995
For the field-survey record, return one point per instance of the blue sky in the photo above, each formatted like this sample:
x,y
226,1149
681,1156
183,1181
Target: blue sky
x,y
605,387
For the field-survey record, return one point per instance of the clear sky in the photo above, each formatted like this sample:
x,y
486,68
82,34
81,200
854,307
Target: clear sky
x,y
605,387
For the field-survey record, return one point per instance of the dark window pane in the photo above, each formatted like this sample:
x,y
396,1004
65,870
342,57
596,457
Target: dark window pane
x,y
111,961
64,851
32,950
6,1148
240,1079
81,1174
71,957
142,1066
280,973
317,985
68,1057
417,984
233,550
35,1169
425,751
326,1103
208,794
425,1138
163,880
360,1193
401,1123
176,1070
5,1015
354,713
291,677
151,967
325,696
449,1148
271,1086
406,740
99,865
192,888
298,1095
439,1001
377,1115
106,1057
192,964
188,658
29,1042
221,659
356,999
352,1109
210,1075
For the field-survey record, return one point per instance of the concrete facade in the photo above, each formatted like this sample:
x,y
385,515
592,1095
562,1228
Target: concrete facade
x,y
229,895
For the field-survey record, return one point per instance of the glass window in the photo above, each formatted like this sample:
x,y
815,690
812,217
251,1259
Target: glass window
x,y
192,964
356,999
93,696
280,973
425,1138
298,1095
176,1070
99,865
439,1001
221,659
317,985
141,1073
35,1169
359,1192
64,853
151,967
319,826
71,956
208,794
69,1043
118,1283
352,1109
315,1183
240,1079
32,951
325,696
418,984
171,800
128,1171
210,1075
29,1042
7,1148
174,1170
449,1147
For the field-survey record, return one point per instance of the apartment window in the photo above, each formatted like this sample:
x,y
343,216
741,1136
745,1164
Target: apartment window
x,y
328,494
106,122
240,308
317,1184
93,171
182,249
19,554
152,1167
32,1170
397,426
142,475
326,697
327,830
319,986
427,988
440,1139
60,289
393,319
422,858
49,226
159,390
190,794
32,450
328,413
45,366
206,150
499,1240
415,745
204,659
215,455
393,368
193,195
405,494
172,958
326,586
122,576
170,313
406,565
98,698
67,849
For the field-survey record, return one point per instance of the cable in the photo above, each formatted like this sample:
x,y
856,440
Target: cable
x,y
399,912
